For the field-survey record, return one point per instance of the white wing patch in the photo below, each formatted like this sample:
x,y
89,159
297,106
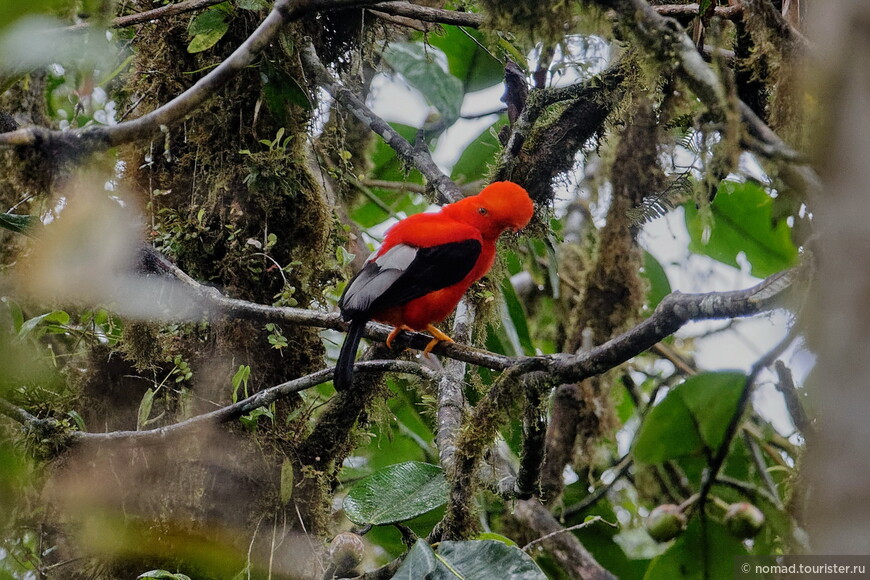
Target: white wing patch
x,y
399,257
377,276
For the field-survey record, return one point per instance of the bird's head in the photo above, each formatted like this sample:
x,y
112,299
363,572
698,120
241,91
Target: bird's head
x,y
501,206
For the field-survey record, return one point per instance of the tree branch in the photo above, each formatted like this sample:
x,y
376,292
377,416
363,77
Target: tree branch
x,y
472,20
786,386
559,542
149,15
451,397
224,414
79,142
665,39
417,157
674,311
427,14
712,470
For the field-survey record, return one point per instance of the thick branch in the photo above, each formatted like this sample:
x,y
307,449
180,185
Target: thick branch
x,y
674,311
472,20
428,14
417,157
224,414
666,40
773,19
451,398
536,152
559,542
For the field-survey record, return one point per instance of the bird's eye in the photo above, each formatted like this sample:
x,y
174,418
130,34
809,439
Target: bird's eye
x,y
482,211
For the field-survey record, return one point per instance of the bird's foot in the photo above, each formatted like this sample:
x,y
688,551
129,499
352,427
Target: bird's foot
x,y
439,337
395,333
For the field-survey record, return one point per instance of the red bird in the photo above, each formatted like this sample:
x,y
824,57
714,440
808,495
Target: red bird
x,y
425,265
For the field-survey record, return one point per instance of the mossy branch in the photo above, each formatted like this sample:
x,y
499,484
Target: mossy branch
x,y
64,438
536,151
77,143
666,40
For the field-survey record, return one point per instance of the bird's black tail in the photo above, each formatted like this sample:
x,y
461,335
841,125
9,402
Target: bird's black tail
x,y
344,367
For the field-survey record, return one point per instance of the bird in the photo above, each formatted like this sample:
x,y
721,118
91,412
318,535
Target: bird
x,y
425,265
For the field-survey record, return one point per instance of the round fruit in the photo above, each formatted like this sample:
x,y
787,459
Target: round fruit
x,y
743,520
666,522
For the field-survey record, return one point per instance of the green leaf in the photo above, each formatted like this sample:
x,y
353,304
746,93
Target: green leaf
x,y
144,409
659,285
419,65
467,61
208,27
692,417
17,223
470,560
162,575
15,312
496,537
705,551
395,494
279,89
742,222
516,324
56,316
77,419
286,481
388,167
479,155
703,5
419,563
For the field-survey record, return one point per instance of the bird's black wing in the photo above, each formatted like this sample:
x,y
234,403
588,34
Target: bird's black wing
x,y
404,273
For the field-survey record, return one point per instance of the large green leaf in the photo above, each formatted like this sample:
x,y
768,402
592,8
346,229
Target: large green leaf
x,y
742,222
516,324
467,61
471,560
395,494
693,416
659,285
280,89
12,10
208,27
705,551
423,71
479,155
388,167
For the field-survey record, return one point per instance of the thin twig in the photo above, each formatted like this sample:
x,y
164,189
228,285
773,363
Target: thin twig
x,y
586,524
622,467
712,470
419,158
761,466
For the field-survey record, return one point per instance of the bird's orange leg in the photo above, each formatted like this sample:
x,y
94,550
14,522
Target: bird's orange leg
x,y
395,333
439,337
